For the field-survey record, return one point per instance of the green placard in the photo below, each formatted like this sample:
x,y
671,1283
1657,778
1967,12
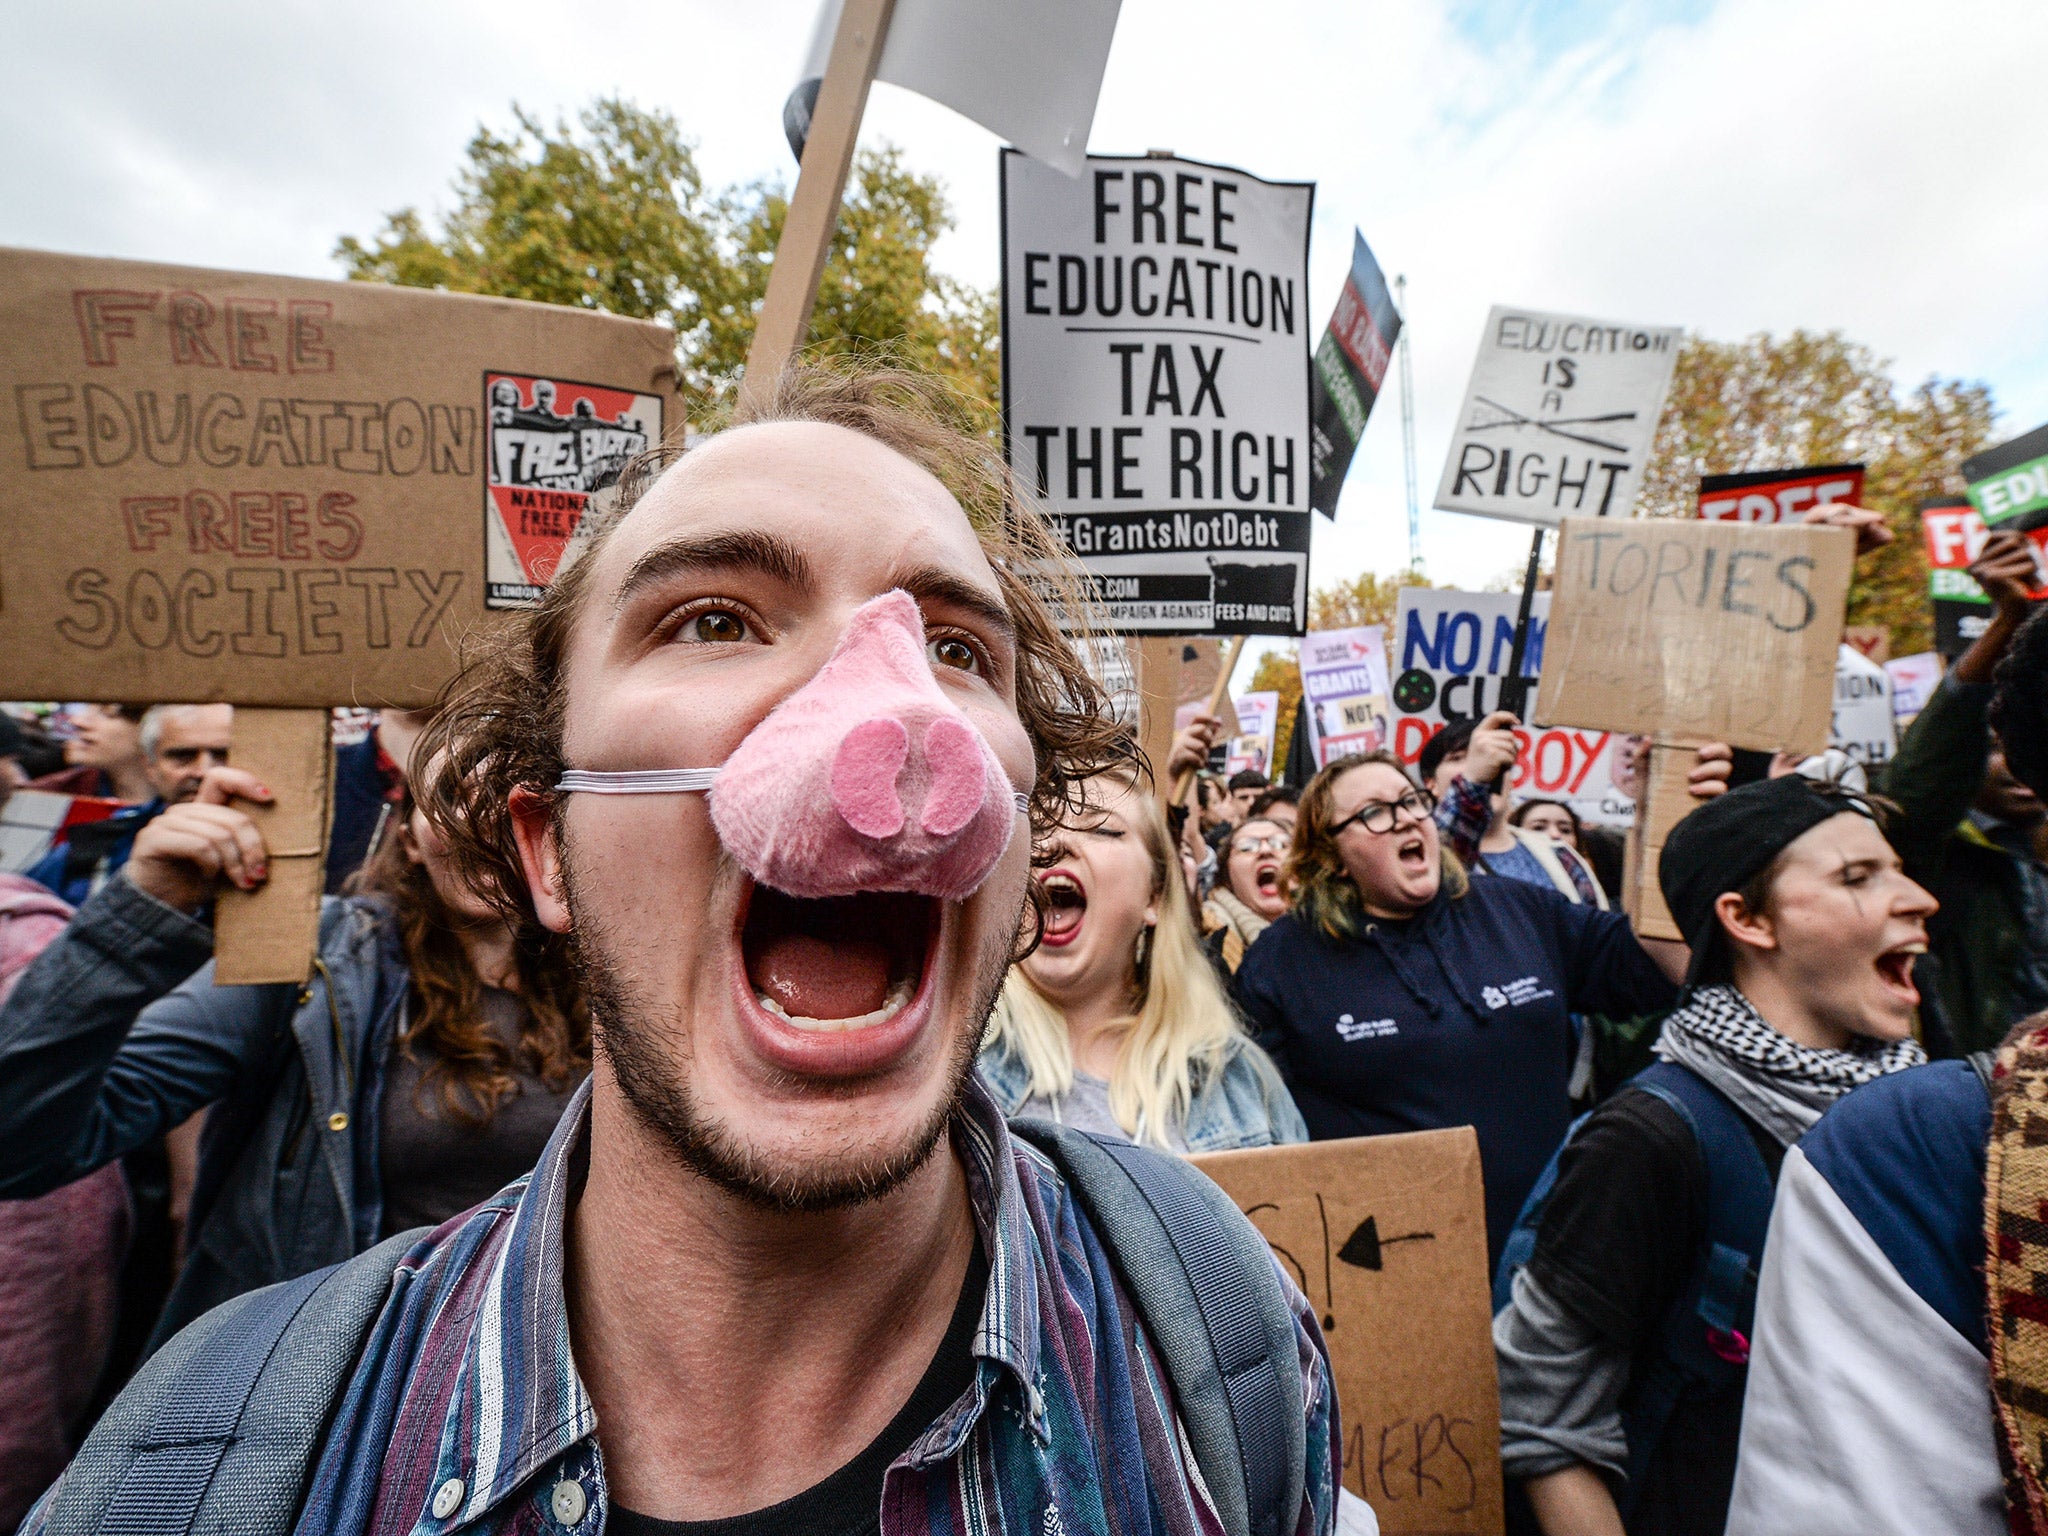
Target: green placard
x,y
2011,480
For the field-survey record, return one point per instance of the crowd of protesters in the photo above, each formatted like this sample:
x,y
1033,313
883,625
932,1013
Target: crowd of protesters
x,y
599,1075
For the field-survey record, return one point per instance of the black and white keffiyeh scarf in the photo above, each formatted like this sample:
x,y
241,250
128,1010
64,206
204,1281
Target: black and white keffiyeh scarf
x,y
1780,1084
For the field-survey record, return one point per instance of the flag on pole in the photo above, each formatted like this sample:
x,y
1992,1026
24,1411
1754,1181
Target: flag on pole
x,y
1028,73
1345,380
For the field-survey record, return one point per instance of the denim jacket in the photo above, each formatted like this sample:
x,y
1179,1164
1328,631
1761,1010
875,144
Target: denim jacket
x,y
1244,1105
117,1033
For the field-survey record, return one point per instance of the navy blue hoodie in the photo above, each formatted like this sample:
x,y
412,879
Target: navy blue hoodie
x,y
1457,1016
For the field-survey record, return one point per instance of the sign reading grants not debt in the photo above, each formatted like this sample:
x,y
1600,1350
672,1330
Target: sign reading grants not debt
x,y
275,491
1156,384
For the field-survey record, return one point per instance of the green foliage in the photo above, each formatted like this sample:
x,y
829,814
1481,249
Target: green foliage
x,y
613,215
1771,403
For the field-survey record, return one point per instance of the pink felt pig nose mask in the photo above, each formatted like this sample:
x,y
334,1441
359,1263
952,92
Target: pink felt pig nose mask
x,y
867,778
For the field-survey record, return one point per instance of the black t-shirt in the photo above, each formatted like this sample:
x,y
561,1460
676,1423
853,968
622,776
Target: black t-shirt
x,y
849,1502
435,1166
1620,1236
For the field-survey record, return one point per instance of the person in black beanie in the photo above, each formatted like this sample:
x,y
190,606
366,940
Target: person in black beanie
x,y
1623,1320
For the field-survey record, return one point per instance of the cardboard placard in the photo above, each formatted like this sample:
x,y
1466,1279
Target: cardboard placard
x,y
1709,630
221,486
1156,383
268,934
1666,801
1386,1236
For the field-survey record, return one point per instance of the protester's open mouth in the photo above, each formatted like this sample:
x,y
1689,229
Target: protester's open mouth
x,y
840,963
1412,853
1895,969
1267,875
1066,900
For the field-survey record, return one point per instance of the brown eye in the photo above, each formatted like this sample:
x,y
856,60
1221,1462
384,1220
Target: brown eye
x,y
717,627
950,652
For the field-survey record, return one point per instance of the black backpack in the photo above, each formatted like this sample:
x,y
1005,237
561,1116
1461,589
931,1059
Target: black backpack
x,y
218,1432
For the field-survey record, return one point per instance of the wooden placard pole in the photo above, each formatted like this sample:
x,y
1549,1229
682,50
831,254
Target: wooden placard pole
x,y
1184,784
269,934
813,214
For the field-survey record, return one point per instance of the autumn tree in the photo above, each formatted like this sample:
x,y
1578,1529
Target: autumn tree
x,y
1367,598
1780,403
613,214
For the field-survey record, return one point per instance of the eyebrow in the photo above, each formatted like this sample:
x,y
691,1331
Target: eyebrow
x,y
930,583
749,549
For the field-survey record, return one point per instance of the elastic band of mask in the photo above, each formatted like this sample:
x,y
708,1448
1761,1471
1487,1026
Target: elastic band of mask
x,y
640,781
663,781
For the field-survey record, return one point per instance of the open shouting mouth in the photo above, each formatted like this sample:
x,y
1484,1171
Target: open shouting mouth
x,y
1411,853
1066,903
840,983
1895,970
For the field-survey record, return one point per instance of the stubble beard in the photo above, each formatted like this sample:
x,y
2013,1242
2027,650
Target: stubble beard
x,y
648,1056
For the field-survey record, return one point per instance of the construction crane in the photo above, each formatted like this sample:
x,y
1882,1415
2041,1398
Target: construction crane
x,y
1408,429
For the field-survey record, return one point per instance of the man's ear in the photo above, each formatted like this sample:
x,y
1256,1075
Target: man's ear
x,y
533,826
1743,926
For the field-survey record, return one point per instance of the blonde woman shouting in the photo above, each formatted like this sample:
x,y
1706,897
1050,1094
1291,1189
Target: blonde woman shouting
x,y
1115,1023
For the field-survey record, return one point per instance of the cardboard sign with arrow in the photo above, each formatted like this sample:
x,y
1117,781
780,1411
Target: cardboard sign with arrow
x,y
1386,1236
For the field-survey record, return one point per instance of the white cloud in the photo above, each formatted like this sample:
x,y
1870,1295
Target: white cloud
x,y
1756,165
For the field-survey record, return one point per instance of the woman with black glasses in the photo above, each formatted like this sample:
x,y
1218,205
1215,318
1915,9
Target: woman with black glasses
x,y
1395,995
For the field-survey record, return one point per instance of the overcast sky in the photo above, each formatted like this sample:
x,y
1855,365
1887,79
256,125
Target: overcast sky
x,y
1727,165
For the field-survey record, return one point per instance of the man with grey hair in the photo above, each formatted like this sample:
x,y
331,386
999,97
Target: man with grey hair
x,y
179,743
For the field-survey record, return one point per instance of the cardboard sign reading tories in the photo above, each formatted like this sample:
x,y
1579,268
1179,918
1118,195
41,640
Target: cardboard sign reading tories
x,y
1558,418
1721,631
275,491
1155,384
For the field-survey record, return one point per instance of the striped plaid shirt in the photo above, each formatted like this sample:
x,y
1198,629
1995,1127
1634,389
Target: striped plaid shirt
x,y
466,1414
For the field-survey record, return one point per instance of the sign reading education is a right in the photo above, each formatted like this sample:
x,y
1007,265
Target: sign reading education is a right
x,y
1558,418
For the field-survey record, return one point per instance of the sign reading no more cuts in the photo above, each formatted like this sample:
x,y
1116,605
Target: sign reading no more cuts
x,y
1558,418
1155,383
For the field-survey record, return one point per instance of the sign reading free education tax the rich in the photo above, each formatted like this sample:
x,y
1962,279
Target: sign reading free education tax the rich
x,y
1558,418
280,492
1156,383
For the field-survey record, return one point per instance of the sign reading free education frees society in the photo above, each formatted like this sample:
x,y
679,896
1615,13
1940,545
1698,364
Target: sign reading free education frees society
x,y
276,491
1558,418
1156,383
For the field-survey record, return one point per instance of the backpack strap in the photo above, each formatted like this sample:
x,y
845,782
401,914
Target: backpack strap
x,y
217,1433
1704,1342
1206,1287
1985,1064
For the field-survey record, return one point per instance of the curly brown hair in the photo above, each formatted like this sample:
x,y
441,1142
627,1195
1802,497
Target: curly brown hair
x,y
467,1065
501,720
1324,893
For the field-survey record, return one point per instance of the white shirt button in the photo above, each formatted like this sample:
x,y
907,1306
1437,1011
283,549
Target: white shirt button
x,y
568,1501
447,1498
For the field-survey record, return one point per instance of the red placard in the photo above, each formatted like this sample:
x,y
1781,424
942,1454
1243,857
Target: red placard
x,y
1778,495
1955,533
